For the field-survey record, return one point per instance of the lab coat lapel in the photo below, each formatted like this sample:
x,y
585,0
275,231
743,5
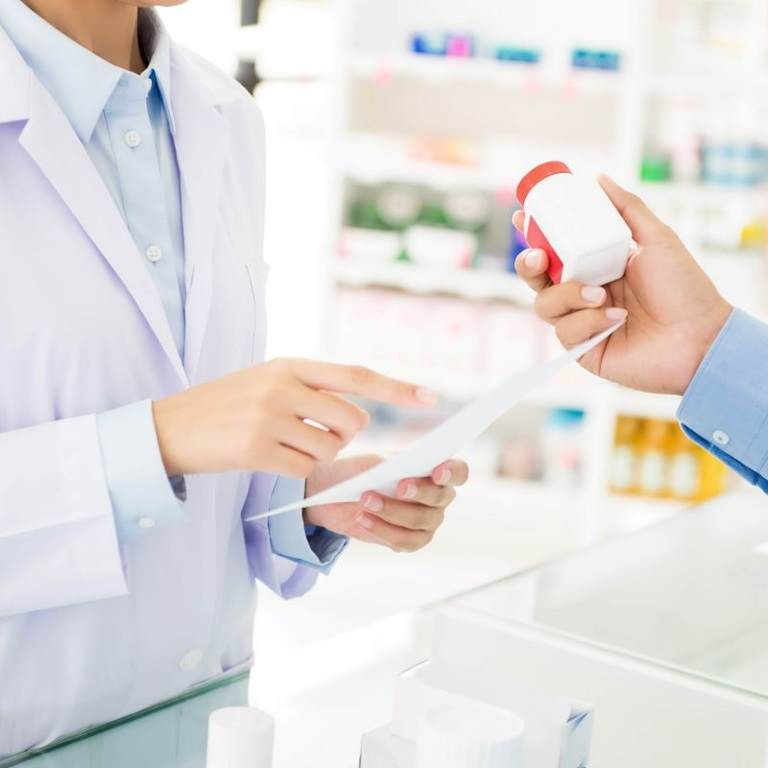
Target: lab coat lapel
x,y
201,148
51,142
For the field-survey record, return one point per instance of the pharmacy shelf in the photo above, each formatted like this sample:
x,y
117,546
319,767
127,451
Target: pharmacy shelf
x,y
397,168
377,171
752,84
483,72
488,72
694,195
629,102
645,405
530,504
376,159
471,284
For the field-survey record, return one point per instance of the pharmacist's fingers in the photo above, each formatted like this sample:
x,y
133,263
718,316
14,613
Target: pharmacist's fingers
x,y
398,539
647,228
579,327
561,300
518,219
532,266
454,472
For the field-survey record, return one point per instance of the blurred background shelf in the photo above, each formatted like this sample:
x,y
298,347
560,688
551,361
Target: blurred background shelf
x,y
352,114
481,73
359,127
469,284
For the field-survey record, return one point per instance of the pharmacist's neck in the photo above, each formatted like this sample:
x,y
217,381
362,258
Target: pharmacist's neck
x,y
108,28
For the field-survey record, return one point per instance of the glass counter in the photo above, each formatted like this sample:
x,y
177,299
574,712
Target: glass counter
x,y
664,632
690,593
171,735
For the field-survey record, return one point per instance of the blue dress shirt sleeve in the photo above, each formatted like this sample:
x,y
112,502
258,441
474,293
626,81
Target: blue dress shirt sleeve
x,y
725,408
142,495
291,539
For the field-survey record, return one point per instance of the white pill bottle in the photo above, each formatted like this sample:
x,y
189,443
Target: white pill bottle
x,y
574,221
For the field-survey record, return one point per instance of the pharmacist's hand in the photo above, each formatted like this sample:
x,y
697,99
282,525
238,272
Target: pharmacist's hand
x,y
673,310
405,523
254,420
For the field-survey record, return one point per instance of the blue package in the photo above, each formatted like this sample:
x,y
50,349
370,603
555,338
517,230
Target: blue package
x,y
737,164
518,55
426,44
587,58
516,246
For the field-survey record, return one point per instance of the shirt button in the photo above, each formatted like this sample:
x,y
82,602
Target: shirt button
x,y
154,253
191,660
721,438
146,523
148,84
133,139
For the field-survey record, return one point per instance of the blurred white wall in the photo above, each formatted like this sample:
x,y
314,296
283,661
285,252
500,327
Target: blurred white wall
x,y
208,27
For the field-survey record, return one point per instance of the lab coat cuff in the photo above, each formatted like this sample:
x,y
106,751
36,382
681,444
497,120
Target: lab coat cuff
x,y
725,408
290,538
143,496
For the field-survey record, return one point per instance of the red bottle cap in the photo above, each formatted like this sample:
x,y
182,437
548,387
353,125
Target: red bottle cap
x,y
538,174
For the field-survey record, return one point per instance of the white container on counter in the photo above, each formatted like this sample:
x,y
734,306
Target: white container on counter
x,y
240,737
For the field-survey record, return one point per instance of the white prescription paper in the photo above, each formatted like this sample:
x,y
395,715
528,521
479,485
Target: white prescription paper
x,y
447,440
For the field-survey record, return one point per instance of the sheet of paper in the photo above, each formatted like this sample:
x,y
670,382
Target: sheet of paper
x,y
447,440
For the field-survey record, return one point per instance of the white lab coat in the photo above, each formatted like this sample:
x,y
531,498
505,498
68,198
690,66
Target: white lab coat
x,y
92,628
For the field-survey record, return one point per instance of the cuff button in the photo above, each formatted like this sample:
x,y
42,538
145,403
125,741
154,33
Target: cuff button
x,y
721,438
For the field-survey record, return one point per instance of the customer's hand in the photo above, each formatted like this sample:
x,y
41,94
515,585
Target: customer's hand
x,y
673,310
254,420
405,523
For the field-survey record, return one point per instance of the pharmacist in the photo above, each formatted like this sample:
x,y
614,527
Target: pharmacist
x,y
681,337
138,425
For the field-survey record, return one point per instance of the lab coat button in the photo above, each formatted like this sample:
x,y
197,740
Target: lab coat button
x,y
721,438
154,253
191,660
145,523
133,139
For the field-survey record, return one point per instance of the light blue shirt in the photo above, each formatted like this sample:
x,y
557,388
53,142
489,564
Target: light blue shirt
x,y
125,122
725,408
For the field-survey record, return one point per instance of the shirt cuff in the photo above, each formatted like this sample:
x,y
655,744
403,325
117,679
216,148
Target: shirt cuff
x,y
291,539
725,408
143,496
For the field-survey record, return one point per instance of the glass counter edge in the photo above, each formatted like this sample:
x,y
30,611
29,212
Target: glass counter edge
x,y
202,689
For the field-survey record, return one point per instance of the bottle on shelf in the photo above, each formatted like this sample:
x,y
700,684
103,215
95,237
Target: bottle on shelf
x,y
694,474
562,448
655,458
625,455
654,454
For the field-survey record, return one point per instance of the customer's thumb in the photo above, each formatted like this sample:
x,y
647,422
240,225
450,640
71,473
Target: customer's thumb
x,y
647,228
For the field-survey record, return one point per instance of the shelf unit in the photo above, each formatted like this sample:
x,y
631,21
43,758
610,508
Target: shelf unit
x,y
469,284
517,115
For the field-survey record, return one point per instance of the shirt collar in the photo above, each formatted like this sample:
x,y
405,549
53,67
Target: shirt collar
x,y
81,82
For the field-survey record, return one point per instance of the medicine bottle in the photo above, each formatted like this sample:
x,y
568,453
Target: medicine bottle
x,y
574,221
655,451
624,457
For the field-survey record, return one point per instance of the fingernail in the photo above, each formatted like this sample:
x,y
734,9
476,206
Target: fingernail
x,y
426,396
445,477
374,504
533,258
616,313
365,522
593,294
410,491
